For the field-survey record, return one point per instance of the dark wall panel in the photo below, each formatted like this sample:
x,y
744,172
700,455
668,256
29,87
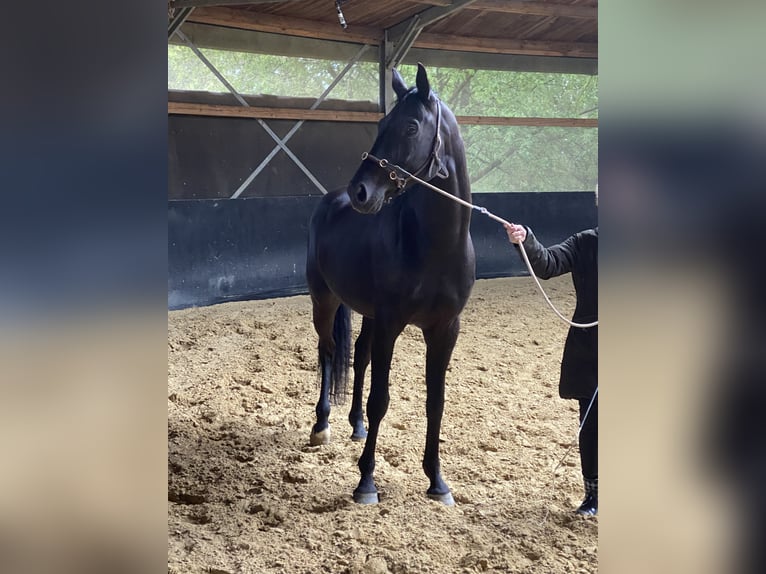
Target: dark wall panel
x,y
210,157
225,250
229,250
553,217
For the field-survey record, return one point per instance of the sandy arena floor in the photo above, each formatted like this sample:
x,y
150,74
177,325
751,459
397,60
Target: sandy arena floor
x,y
248,494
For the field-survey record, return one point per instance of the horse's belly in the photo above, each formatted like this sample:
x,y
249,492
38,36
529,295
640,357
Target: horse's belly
x,y
441,299
360,302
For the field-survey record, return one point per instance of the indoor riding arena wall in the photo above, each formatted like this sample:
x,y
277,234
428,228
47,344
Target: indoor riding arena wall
x,y
254,247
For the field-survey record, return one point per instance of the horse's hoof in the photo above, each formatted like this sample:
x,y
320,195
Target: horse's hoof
x,y
446,498
359,436
366,497
321,437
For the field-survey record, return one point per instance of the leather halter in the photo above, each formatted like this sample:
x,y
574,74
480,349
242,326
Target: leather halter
x,y
406,177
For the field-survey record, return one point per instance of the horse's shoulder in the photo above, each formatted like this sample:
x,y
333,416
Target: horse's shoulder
x,y
337,196
334,201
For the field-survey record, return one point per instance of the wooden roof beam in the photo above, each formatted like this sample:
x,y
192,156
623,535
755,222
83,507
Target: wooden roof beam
x,y
528,7
200,3
507,46
227,111
261,22
366,35
404,34
436,13
220,110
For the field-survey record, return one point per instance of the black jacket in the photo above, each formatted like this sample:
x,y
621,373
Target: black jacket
x,y
579,255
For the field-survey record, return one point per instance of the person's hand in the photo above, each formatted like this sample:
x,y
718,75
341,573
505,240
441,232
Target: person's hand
x,y
516,233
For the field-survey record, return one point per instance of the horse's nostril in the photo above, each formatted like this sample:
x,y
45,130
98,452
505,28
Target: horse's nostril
x,y
361,193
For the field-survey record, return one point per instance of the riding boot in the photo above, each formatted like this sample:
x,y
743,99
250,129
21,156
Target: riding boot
x,y
589,506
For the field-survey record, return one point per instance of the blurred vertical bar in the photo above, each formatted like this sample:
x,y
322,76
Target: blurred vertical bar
x,y
682,150
83,286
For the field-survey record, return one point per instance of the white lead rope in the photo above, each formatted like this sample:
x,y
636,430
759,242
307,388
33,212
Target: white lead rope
x,y
386,165
491,215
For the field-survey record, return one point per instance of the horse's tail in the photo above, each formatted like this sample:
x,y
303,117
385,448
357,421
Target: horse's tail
x,y
341,334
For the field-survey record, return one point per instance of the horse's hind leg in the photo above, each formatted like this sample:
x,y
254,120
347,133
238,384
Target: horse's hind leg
x,y
362,352
440,341
324,316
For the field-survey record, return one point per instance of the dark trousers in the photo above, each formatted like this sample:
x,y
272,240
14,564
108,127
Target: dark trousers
x,y
589,439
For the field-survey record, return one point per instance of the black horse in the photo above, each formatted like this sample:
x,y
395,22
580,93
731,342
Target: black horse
x,y
410,262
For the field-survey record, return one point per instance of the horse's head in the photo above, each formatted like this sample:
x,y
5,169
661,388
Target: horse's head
x,y
408,137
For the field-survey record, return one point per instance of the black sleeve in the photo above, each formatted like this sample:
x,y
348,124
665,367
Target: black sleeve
x,y
551,261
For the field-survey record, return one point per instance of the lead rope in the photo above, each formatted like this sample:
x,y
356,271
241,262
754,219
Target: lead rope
x,y
566,453
385,164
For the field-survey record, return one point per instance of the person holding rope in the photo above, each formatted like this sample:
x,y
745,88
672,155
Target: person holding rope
x,y
577,254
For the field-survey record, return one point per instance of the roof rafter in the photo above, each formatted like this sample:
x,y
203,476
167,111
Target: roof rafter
x,y
436,13
367,35
285,25
221,110
404,34
507,46
196,3
529,7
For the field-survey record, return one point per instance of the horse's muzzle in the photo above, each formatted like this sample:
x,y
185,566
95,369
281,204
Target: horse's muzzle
x,y
363,199
361,193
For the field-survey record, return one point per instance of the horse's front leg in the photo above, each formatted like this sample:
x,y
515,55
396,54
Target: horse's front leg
x,y
384,337
440,341
362,351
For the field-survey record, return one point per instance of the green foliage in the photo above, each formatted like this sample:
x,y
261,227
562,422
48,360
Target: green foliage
x,y
499,158
521,94
531,158
273,75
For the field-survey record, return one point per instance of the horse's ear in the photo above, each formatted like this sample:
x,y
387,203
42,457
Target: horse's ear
x,y
424,88
397,83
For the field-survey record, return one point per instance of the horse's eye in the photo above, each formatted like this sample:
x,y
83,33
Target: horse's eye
x,y
412,129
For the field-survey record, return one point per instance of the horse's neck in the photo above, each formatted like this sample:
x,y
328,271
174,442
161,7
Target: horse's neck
x,y
445,220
